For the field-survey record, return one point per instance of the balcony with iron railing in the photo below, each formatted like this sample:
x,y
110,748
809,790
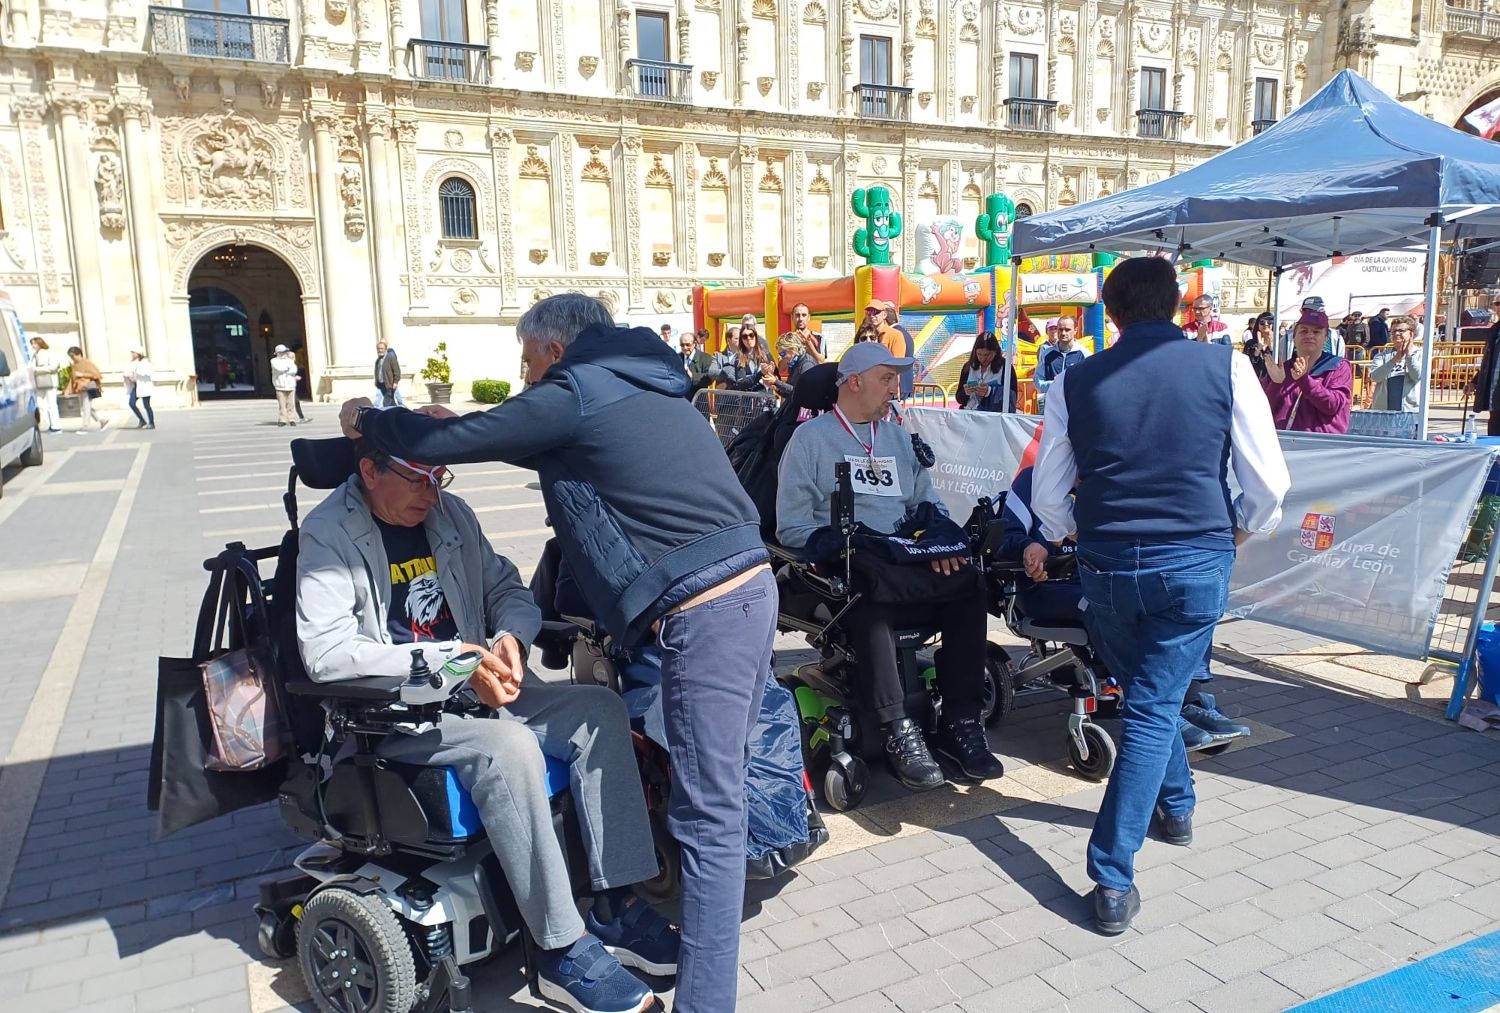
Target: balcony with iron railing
x,y
459,62
656,79
883,102
177,32
1029,113
1161,124
1258,127
1466,21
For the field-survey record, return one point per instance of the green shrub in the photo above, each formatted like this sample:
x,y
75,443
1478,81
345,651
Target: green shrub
x,y
491,391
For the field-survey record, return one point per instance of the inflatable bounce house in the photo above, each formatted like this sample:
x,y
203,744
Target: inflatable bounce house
x,y
943,306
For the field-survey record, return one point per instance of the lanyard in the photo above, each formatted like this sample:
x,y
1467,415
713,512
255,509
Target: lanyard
x,y
868,448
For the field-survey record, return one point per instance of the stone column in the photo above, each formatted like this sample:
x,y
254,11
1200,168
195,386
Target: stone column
x,y
631,146
367,35
325,171
135,113
383,212
492,38
501,139
749,156
83,222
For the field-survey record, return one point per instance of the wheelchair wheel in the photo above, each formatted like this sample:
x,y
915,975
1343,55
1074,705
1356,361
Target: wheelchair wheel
x,y
277,935
667,883
355,956
844,786
1101,758
999,688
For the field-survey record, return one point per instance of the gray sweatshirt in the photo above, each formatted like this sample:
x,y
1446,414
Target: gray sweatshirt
x,y
805,479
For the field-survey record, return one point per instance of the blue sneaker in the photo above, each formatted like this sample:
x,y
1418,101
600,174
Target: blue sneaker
x,y
1206,715
586,979
1193,737
639,938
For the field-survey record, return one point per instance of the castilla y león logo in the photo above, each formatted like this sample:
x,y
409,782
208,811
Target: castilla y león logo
x,y
1317,531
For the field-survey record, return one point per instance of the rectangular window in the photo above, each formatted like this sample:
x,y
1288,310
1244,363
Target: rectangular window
x,y
1153,88
443,21
1265,98
651,37
874,60
1023,67
219,6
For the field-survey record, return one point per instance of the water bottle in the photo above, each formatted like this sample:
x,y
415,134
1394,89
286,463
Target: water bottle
x,y
1468,433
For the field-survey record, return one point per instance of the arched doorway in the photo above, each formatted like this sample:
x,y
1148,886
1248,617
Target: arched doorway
x,y
243,301
1482,115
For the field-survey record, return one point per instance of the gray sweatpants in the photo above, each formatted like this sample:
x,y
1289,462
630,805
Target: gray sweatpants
x,y
500,762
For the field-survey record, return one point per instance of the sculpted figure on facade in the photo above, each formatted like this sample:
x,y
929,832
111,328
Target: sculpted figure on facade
x,y
352,195
109,182
232,166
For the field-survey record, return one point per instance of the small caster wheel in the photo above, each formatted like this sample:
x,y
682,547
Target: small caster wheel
x,y
844,784
667,883
999,691
1101,753
277,935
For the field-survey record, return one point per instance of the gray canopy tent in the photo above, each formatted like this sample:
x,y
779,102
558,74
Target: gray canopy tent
x,y
1350,171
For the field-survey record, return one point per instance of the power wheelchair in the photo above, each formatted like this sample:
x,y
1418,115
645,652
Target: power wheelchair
x,y
401,891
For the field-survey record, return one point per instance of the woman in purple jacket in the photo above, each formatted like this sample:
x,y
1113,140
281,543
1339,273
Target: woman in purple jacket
x,y
1311,392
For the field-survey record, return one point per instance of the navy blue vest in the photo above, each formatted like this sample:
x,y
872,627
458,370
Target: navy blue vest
x,y
1149,423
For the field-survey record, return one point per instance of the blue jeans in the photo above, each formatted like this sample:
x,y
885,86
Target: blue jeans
x,y
715,660
1151,615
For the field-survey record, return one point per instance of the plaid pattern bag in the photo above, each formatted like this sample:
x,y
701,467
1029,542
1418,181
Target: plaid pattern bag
x,y
246,725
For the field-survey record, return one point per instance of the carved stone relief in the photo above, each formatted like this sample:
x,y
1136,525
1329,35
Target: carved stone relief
x,y
109,183
229,161
352,196
190,239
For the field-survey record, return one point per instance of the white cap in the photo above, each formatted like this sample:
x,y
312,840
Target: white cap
x,y
282,348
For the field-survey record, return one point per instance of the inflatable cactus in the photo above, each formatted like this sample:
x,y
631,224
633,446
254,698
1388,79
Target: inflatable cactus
x,y
993,227
874,242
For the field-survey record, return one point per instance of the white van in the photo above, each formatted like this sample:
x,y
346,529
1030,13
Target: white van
x,y
20,419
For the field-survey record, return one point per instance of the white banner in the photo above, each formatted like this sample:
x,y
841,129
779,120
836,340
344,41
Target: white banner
x,y
1369,529
1369,283
1054,288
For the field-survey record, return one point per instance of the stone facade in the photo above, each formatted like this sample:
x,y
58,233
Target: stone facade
x,y
135,142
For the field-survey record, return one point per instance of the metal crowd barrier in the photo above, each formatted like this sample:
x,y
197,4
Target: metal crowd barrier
x,y
730,411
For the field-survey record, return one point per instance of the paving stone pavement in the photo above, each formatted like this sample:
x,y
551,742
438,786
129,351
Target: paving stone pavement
x,y
1350,836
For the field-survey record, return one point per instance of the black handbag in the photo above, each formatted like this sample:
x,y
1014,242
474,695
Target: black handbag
x,y
182,790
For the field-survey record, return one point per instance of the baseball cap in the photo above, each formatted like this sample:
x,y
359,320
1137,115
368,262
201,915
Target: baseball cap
x,y
1313,302
282,348
1313,318
866,356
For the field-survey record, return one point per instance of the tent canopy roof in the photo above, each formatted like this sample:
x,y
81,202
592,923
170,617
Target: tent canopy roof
x,y
1350,171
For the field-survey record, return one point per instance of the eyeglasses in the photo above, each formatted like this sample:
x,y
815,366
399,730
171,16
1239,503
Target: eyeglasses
x,y
1401,330
439,477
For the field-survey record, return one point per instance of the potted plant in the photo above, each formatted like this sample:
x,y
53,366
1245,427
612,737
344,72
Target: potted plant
x,y
67,404
439,375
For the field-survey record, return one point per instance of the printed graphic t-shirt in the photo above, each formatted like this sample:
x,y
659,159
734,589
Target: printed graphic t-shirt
x,y
1395,389
419,611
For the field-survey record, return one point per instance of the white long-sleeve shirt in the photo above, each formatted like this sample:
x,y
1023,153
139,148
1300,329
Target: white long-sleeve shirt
x,y
1255,456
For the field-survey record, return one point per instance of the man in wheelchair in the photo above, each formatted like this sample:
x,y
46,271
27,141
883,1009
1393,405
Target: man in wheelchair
x,y
390,565
890,486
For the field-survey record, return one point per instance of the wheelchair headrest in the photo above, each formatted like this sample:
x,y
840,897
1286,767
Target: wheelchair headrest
x,y
817,389
324,464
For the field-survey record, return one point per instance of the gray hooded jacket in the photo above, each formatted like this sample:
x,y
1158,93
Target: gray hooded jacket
x,y
344,589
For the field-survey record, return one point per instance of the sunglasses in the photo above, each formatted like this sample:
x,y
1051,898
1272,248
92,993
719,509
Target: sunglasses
x,y
439,477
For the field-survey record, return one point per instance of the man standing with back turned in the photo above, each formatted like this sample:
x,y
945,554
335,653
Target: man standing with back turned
x,y
1156,535
669,545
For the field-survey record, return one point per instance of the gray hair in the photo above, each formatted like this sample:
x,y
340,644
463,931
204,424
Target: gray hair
x,y
561,318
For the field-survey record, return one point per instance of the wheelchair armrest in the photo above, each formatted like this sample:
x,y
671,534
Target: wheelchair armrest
x,y
378,688
788,554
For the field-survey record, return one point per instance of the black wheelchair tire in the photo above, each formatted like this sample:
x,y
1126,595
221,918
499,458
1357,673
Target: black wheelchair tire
x,y
277,935
999,689
1102,752
841,791
666,885
337,920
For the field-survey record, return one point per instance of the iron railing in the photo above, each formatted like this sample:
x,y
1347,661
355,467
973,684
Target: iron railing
x,y
1463,21
1258,127
436,60
666,82
1163,124
883,102
1029,113
176,32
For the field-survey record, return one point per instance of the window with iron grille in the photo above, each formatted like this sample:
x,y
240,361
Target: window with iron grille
x,y
456,200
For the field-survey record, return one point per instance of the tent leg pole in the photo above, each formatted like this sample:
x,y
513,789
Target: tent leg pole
x,y
1012,328
1429,315
1278,352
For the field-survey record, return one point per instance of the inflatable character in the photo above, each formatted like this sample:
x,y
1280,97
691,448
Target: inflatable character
x,y
938,241
994,228
874,242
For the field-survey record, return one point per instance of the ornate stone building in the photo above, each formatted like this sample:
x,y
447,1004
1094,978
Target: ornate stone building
x,y
210,178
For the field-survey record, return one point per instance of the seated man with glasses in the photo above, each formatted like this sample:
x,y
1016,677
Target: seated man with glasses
x,y
390,564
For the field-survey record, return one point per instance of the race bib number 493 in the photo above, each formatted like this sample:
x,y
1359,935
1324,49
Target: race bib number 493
x,y
874,476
